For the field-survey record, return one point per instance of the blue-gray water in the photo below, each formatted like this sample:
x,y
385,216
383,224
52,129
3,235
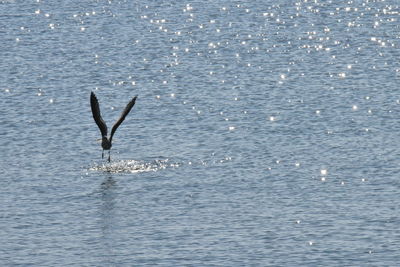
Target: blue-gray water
x,y
266,133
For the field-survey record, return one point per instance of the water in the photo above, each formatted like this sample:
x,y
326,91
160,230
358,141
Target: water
x,y
265,134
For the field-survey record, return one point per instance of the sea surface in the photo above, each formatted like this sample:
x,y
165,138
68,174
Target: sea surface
x,y
265,133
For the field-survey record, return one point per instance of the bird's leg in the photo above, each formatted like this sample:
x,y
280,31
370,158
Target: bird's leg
x,y
109,155
102,154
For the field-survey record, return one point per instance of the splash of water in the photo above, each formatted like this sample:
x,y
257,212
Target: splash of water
x,y
133,166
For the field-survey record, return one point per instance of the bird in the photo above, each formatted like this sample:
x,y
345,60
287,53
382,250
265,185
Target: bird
x,y
106,142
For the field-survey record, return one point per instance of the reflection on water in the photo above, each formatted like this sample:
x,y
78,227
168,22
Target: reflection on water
x,y
108,218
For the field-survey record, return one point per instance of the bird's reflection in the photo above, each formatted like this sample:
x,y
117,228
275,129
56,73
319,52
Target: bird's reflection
x,y
108,219
107,184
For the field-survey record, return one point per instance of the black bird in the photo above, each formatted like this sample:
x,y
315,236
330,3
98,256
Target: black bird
x,y
106,143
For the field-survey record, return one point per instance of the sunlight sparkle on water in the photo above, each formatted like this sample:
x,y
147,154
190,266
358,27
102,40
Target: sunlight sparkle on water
x,y
223,71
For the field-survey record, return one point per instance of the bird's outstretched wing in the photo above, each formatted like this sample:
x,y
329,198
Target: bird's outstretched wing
x,y
122,117
96,114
